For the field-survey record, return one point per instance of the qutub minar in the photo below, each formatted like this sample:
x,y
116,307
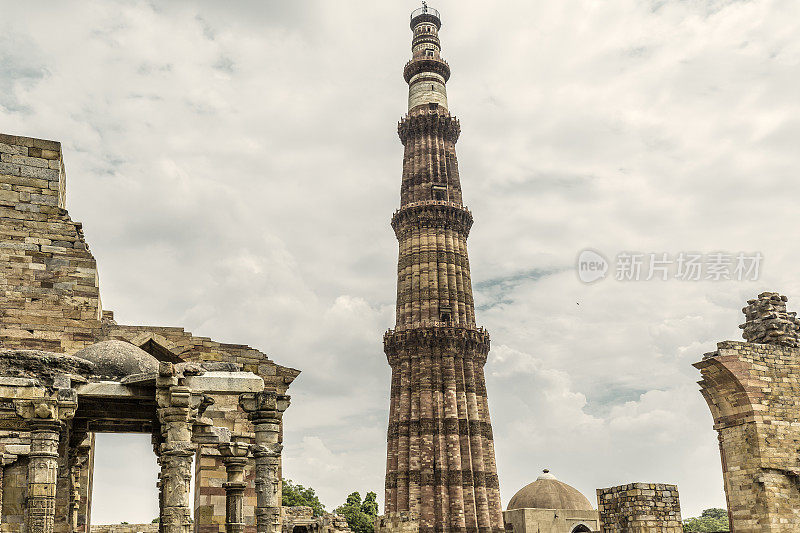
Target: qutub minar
x,y
440,452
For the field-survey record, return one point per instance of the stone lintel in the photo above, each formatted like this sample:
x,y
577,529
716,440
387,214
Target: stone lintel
x,y
18,449
225,382
147,379
111,389
6,381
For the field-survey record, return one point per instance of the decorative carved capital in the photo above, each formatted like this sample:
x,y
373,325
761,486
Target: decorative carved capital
x,y
267,450
234,450
53,409
267,406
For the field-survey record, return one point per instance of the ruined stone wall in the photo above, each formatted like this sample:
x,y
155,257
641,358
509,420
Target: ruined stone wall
x,y
125,528
49,296
640,508
399,522
170,342
302,516
753,392
49,300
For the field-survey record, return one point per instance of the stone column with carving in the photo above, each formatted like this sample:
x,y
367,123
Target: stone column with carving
x,y
265,410
234,457
176,451
42,475
44,417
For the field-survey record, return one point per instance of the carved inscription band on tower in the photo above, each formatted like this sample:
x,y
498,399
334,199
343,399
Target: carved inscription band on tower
x,y
440,465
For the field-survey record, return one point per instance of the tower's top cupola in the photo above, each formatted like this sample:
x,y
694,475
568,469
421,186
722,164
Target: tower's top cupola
x,y
425,14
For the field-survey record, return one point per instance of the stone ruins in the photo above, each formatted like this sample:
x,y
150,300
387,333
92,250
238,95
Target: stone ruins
x,y
640,508
69,371
753,391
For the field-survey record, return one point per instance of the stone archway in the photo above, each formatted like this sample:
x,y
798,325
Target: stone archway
x,y
581,528
751,390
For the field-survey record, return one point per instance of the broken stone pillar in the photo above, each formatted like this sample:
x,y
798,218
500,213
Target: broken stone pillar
x,y
177,450
234,457
265,410
768,322
43,472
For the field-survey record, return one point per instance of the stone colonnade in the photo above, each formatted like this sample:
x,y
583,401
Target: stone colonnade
x,y
48,421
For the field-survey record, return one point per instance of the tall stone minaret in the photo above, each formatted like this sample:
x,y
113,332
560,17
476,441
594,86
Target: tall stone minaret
x,y
440,458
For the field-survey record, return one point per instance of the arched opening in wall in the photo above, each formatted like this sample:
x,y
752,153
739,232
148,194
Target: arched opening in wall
x,y
581,528
124,480
299,529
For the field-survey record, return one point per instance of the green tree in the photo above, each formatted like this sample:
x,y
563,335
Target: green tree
x,y
295,494
360,515
710,520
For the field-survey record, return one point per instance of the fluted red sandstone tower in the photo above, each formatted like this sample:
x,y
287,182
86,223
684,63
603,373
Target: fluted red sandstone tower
x,y
440,458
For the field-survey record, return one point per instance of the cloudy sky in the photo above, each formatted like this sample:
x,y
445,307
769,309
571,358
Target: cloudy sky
x,y
236,164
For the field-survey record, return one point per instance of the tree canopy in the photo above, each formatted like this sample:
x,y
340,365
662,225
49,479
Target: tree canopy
x,y
710,520
295,494
360,515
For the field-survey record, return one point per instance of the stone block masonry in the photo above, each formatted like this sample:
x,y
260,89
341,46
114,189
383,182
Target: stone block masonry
x,y
440,458
768,322
400,522
753,391
49,295
125,528
640,508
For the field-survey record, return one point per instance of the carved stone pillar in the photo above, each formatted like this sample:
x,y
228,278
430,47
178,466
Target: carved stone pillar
x,y
160,499
43,475
155,438
2,473
234,457
265,410
78,455
177,450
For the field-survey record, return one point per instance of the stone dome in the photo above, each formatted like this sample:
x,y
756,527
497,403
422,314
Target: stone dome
x,y
549,493
116,359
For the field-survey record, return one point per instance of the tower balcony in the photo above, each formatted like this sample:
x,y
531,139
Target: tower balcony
x,y
426,64
426,14
432,213
469,342
431,119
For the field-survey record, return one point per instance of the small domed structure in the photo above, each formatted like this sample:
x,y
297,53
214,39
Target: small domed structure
x,y
550,505
117,359
549,493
